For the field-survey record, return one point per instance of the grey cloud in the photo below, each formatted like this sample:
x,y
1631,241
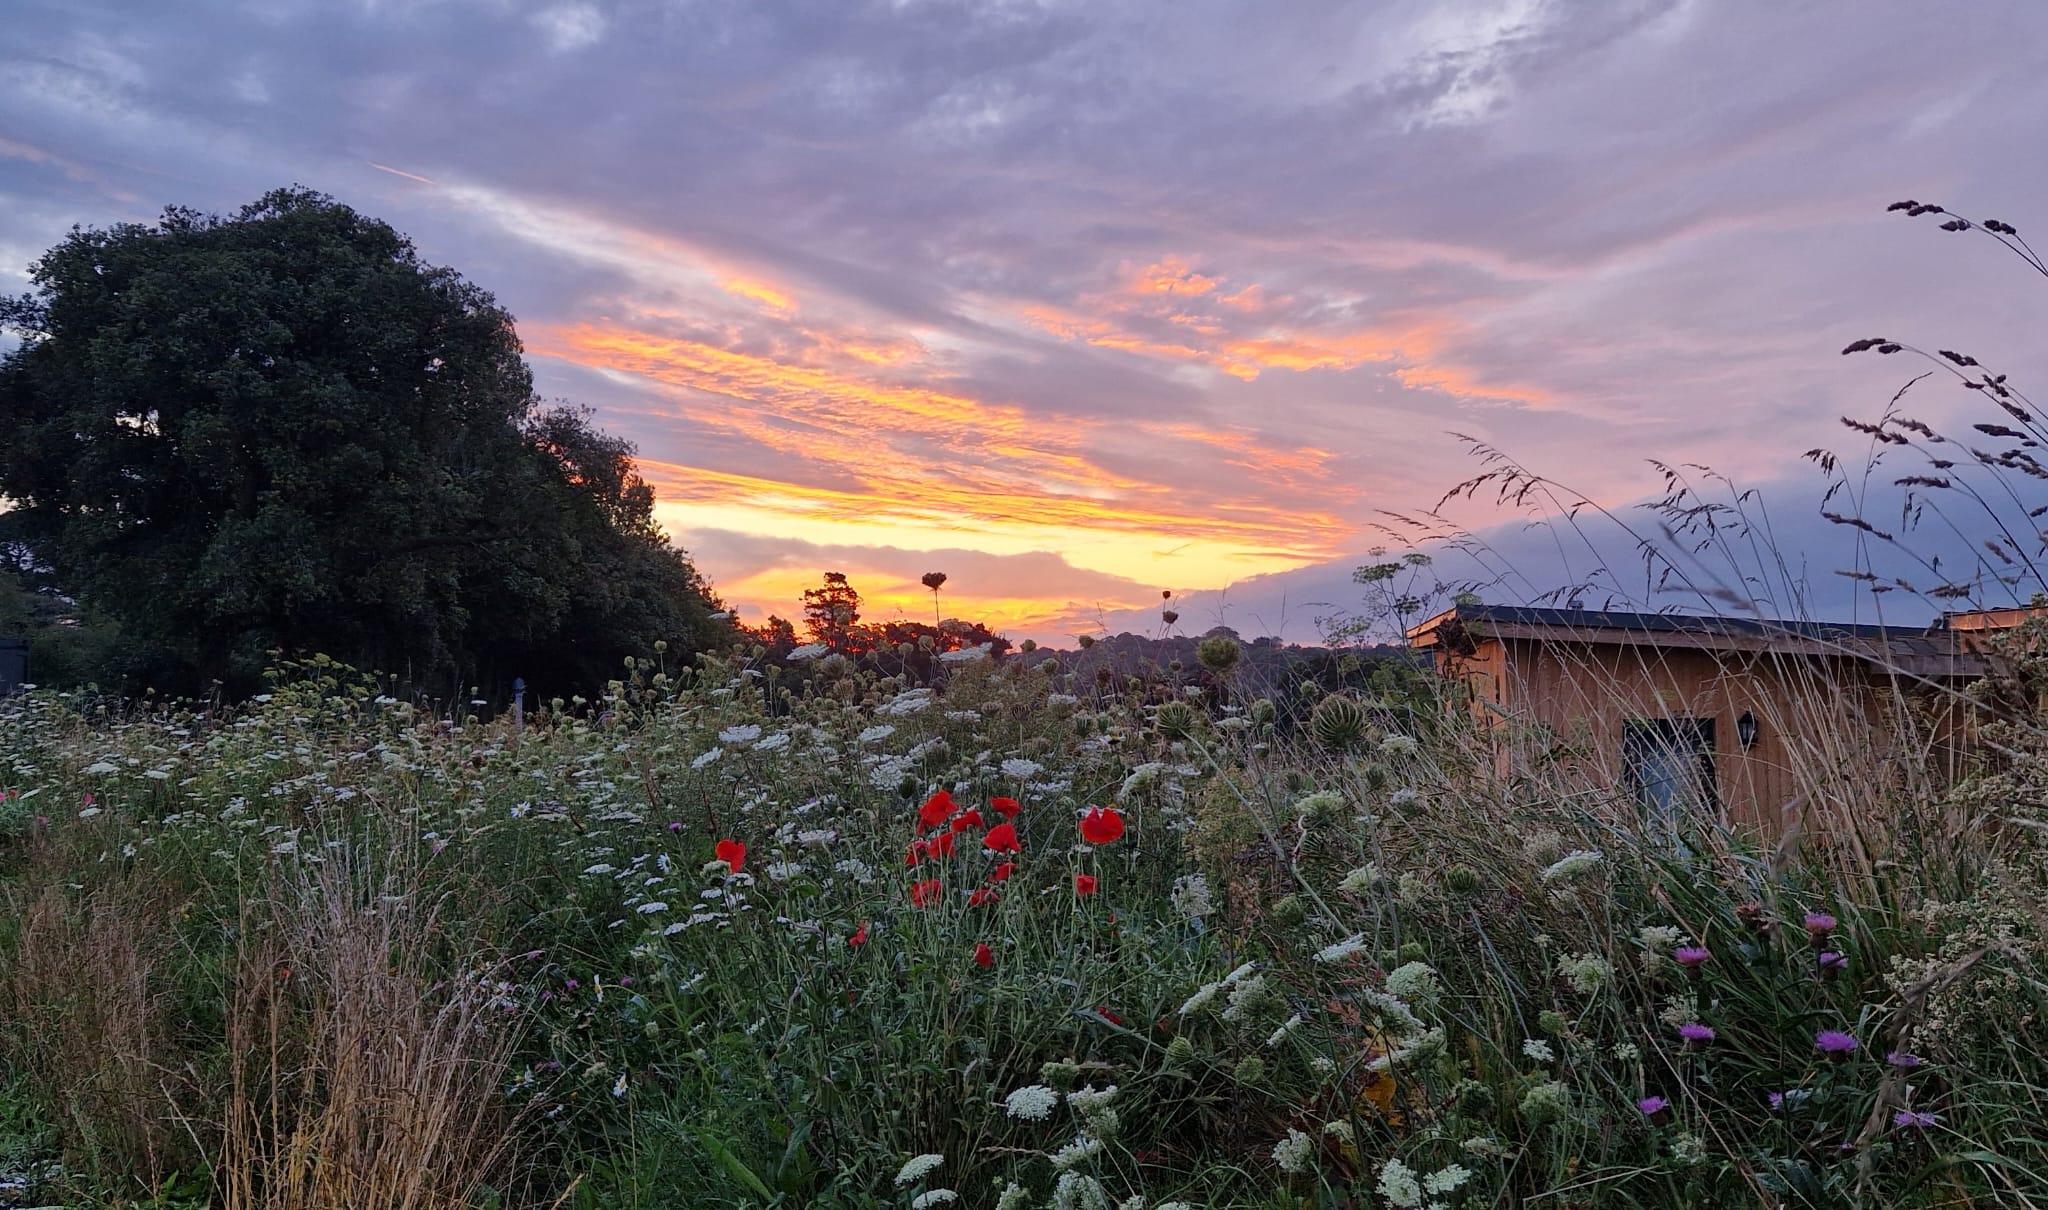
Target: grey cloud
x,y
1664,216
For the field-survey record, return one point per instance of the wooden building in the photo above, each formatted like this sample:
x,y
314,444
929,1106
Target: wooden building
x,y
1744,716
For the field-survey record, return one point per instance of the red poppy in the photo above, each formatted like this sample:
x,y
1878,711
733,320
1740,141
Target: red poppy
x,y
924,893
1002,838
1100,826
1084,884
1002,871
983,894
970,818
860,935
983,955
936,808
732,853
1006,807
919,850
1108,1016
942,844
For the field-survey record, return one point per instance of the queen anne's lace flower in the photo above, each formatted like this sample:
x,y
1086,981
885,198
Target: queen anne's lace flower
x,y
917,1167
1360,880
1415,982
1342,949
1031,1103
1399,1185
1204,996
1082,1148
1446,1179
1294,1152
1573,865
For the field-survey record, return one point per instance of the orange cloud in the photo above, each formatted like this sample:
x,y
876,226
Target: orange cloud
x,y
874,459
1170,276
767,296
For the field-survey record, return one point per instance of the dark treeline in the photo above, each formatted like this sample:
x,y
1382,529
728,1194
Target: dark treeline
x,y
222,437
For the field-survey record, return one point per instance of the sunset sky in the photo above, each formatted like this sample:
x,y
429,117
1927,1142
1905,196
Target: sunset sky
x,y
1076,302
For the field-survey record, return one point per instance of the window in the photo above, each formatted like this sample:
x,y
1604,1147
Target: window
x,y
1669,763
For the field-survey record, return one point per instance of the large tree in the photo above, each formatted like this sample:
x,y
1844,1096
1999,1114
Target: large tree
x,y
282,429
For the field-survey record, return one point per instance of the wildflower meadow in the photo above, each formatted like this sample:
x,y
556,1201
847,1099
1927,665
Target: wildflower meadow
x,y
749,932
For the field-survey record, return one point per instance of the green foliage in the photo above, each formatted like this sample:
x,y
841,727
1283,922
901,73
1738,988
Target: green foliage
x,y
281,429
1312,976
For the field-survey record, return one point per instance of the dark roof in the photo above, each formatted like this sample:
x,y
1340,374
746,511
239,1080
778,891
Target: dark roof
x,y
1681,623
1920,650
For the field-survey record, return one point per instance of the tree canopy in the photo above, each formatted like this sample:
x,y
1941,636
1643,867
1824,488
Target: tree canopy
x,y
282,429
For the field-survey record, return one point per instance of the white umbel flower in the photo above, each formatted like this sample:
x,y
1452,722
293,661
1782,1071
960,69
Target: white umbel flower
x,y
1573,865
1031,1103
1399,1185
1342,949
1294,1152
917,1167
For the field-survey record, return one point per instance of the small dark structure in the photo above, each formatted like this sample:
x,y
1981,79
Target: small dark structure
x,y
13,663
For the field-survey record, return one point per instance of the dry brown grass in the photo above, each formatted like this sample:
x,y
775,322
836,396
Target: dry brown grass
x,y
89,1019
366,1076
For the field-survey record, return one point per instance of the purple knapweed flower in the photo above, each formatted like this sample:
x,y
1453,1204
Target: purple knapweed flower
x,y
1834,1043
1818,926
675,825
1691,957
1900,1058
1695,1034
1657,1109
1909,1119
1831,964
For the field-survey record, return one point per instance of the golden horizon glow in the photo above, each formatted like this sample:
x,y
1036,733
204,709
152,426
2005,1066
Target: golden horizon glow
x,y
874,461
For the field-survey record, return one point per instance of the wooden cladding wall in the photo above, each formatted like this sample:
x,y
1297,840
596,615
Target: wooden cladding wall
x,y
1817,717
